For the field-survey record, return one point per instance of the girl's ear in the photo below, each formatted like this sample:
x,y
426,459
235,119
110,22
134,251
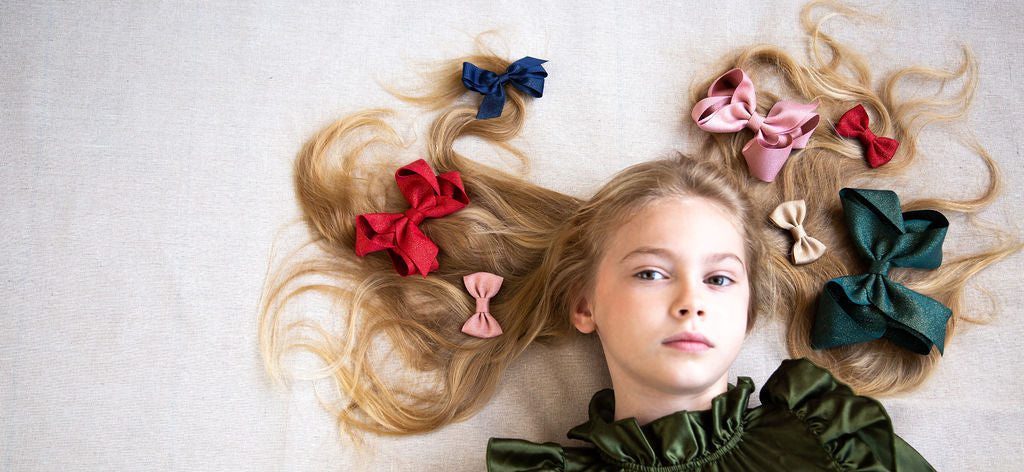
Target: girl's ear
x,y
582,318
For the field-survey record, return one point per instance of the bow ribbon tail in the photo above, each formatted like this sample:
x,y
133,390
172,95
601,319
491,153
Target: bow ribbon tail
x,y
492,105
414,251
765,162
840,321
919,328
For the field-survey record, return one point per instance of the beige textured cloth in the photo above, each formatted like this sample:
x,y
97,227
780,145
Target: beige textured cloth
x,y
146,170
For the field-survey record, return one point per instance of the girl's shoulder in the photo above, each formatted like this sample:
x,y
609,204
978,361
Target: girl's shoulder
x,y
854,430
807,420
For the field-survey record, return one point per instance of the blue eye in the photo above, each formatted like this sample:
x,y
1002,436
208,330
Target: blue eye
x,y
649,275
719,280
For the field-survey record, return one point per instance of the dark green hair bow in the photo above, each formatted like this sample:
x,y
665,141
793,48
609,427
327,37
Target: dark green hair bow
x,y
860,308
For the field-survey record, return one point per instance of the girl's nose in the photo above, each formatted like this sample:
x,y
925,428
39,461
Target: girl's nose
x,y
689,300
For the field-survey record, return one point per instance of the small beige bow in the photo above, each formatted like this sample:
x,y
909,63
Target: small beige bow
x,y
790,215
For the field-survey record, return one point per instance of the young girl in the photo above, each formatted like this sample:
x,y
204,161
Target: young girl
x,y
678,258
669,264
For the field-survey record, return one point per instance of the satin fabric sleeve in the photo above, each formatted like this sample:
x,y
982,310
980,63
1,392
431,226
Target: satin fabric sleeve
x,y
517,455
855,430
908,459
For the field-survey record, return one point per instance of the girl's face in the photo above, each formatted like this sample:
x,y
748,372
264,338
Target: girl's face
x,y
669,299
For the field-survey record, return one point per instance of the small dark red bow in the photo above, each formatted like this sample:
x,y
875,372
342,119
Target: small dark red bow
x,y
410,250
854,124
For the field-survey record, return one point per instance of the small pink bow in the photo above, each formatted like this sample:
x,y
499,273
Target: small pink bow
x,y
854,124
482,286
732,105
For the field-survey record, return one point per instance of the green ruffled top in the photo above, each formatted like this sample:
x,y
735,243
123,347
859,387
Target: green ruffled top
x,y
807,421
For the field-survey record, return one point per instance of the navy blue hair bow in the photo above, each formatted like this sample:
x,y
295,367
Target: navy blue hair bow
x,y
526,74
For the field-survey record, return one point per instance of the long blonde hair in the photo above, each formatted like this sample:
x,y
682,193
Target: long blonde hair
x,y
545,243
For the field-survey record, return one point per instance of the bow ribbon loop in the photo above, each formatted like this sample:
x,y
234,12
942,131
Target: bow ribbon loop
x,y
482,286
430,196
859,308
731,105
790,215
526,74
854,124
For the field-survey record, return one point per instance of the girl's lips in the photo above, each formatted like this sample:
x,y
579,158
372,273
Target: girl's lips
x,y
688,342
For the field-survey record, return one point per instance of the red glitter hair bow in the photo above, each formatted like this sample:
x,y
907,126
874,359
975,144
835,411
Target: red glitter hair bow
x,y
854,124
410,250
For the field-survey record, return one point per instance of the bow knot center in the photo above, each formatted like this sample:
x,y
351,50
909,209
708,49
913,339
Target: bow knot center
x,y
414,215
798,232
483,305
500,80
755,122
866,137
879,267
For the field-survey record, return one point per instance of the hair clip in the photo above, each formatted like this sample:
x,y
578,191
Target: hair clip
x,y
859,308
398,233
482,286
790,215
854,124
731,105
526,74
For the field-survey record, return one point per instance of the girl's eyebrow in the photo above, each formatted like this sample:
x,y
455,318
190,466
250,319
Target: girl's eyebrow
x,y
655,251
724,256
666,254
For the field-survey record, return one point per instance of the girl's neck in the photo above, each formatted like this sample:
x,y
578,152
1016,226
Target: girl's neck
x,y
647,404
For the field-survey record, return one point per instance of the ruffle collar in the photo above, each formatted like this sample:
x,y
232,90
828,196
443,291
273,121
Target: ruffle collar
x,y
681,437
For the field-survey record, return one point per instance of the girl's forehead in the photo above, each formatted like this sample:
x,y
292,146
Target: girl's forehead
x,y
694,210
679,224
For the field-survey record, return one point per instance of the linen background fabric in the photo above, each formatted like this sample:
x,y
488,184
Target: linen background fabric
x,y
146,172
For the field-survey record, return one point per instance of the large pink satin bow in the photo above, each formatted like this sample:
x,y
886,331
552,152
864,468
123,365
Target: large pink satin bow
x,y
732,105
854,124
482,286
430,197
